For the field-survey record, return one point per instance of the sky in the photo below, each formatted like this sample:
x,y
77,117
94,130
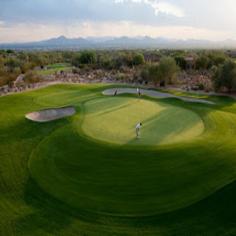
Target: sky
x,y
33,20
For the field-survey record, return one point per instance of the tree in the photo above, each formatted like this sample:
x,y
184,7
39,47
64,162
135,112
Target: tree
x,y
76,60
167,70
217,58
138,59
31,77
225,76
12,63
163,73
26,67
153,73
144,74
202,62
105,61
2,67
123,59
181,62
87,57
9,51
37,59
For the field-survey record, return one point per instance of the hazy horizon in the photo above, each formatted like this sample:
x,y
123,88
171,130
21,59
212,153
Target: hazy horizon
x,y
35,20
108,38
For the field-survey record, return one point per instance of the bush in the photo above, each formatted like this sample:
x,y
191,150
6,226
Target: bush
x,y
121,76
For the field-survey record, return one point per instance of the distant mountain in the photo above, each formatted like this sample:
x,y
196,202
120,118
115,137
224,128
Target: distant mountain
x,y
51,44
63,43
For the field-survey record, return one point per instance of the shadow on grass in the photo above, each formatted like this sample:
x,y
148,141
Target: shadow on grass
x,y
214,215
25,129
48,215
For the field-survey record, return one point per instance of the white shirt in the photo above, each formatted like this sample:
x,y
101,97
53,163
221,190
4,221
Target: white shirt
x,y
138,126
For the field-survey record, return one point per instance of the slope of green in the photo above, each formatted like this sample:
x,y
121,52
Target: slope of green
x,y
114,120
55,180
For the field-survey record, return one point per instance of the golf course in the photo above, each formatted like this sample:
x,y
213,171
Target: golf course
x,y
71,164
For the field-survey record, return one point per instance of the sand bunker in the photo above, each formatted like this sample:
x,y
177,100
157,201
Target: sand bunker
x,y
51,114
154,94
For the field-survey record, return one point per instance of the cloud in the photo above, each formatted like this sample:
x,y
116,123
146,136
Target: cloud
x,y
215,16
158,6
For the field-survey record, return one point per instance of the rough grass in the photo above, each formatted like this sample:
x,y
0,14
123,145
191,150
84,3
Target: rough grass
x,y
76,180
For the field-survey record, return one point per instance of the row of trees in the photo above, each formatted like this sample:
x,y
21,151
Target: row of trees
x,y
163,72
12,64
219,66
161,67
201,60
108,60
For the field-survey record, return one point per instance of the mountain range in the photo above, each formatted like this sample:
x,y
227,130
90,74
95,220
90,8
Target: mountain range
x,y
63,43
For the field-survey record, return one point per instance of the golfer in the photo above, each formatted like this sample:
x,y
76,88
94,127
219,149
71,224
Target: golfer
x,y
115,92
138,92
137,128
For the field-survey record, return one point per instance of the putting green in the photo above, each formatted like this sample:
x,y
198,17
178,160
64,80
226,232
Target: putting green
x,y
114,119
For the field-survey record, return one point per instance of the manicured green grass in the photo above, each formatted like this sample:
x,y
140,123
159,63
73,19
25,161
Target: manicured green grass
x,y
114,120
58,65
54,68
59,178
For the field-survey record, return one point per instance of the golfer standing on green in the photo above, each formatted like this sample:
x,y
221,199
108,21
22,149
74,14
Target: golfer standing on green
x,y
138,126
138,92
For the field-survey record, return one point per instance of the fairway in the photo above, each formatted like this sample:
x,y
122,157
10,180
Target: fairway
x,y
114,119
87,174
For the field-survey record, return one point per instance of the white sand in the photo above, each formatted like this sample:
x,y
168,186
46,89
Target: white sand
x,y
154,94
51,114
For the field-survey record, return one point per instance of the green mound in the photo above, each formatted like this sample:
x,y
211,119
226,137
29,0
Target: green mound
x,y
114,120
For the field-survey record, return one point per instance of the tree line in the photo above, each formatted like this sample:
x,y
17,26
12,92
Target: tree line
x,y
160,67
